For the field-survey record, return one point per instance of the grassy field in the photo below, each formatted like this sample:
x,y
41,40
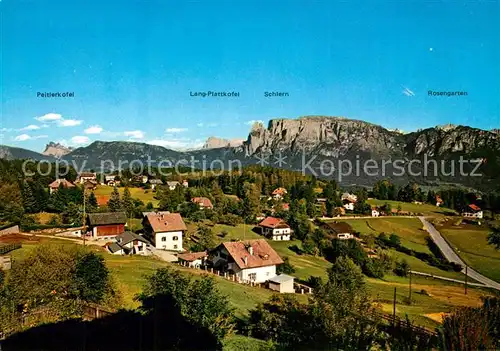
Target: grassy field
x,y
408,229
425,209
103,192
470,242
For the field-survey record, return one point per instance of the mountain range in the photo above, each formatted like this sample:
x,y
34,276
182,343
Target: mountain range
x,y
320,145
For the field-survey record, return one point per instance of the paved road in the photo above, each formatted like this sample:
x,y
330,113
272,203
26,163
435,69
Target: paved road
x,y
448,279
451,255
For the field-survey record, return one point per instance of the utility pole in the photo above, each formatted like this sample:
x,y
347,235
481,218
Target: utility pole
x,y
465,279
410,287
84,229
394,309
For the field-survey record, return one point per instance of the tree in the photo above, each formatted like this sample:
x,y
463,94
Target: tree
x,y
72,215
286,267
91,204
494,237
206,239
114,202
29,201
402,268
199,301
91,277
11,205
346,274
127,202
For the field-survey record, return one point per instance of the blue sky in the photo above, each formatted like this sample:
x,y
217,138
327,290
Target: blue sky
x,y
132,66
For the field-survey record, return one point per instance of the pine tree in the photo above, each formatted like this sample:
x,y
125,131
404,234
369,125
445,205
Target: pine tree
x,y
127,202
114,202
91,203
29,200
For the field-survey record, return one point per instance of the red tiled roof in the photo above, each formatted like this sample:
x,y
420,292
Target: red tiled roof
x,y
166,222
279,191
474,207
438,199
191,256
203,201
272,222
286,206
263,254
55,184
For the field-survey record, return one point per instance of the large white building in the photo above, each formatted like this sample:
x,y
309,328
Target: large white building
x,y
251,261
165,230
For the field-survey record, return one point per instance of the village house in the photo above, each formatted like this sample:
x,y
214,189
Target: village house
x,y
203,202
275,228
439,201
129,243
154,183
54,186
89,185
193,259
282,283
164,229
348,204
279,193
172,184
339,230
87,176
107,225
375,212
472,211
251,261
185,183
349,196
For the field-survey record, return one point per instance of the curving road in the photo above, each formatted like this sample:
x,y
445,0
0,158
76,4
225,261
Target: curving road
x,y
451,255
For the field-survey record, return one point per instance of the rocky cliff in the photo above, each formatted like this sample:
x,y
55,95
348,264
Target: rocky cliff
x,y
215,143
56,150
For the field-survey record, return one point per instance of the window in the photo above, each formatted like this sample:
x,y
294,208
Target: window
x,y
252,276
175,238
163,239
175,247
267,274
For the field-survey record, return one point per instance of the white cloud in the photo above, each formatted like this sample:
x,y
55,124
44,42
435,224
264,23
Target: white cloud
x,y
69,122
22,137
199,125
49,117
253,121
5,129
134,134
177,143
79,140
93,130
30,127
176,130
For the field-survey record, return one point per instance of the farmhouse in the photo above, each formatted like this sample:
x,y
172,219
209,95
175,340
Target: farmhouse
x,y
279,193
251,261
282,283
54,186
275,228
107,225
164,229
154,183
340,230
472,211
87,176
172,184
89,185
185,183
375,212
203,202
129,243
193,259
439,201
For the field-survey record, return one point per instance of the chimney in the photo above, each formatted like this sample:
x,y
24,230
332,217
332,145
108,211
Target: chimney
x,y
250,250
245,259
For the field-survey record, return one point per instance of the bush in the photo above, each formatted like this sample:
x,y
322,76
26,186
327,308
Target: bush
x,y
402,268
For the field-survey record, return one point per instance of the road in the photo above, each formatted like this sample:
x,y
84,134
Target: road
x,y
451,255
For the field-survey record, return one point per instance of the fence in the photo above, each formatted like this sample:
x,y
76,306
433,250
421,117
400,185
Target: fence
x,y
299,288
93,311
9,247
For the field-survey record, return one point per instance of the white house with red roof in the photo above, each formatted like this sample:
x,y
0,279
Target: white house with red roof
x,y
164,229
203,202
279,193
251,261
473,211
54,186
275,228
